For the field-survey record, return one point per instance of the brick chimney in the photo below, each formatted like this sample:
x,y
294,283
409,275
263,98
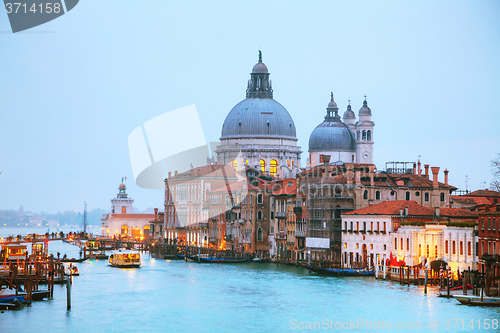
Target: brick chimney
x,y
446,176
156,214
419,168
175,174
437,212
435,172
414,168
169,174
426,166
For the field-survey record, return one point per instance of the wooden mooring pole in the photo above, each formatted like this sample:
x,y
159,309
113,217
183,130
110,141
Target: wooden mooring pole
x,y
425,282
68,293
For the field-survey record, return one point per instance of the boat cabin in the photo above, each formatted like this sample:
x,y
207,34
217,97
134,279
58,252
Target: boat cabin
x,y
125,258
14,251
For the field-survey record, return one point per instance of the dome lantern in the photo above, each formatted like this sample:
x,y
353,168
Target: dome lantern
x,y
259,85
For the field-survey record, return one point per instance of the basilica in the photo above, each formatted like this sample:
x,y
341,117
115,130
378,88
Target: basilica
x,y
260,133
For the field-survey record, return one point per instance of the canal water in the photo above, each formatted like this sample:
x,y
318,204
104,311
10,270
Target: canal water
x,y
175,296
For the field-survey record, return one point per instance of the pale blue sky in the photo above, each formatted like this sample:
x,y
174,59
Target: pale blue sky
x,y
72,90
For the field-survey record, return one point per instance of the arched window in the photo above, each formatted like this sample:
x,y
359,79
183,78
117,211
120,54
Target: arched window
x,y
259,235
369,135
395,243
453,248
364,135
358,136
263,165
377,195
442,197
468,249
402,248
446,247
407,244
274,167
419,250
288,163
461,248
234,163
426,196
407,195
365,194
259,215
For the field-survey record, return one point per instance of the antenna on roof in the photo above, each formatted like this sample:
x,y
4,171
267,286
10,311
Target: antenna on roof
x,y
466,183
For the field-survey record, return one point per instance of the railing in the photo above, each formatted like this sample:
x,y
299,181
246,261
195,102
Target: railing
x,y
229,237
280,214
241,221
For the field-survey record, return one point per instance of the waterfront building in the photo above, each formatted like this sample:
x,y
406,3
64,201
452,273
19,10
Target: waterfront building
x,y
186,202
489,238
328,190
409,232
259,132
283,227
121,222
347,141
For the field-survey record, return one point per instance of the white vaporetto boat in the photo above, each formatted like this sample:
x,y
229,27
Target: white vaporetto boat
x,y
125,258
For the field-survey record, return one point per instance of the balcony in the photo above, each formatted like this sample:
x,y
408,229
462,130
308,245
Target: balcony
x,y
280,235
300,233
229,238
280,215
246,240
241,221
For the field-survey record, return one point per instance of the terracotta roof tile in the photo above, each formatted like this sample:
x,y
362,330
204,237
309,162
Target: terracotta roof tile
x,y
483,193
474,201
414,209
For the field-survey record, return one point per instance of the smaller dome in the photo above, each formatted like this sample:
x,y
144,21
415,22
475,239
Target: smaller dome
x,y
349,114
365,110
122,187
260,67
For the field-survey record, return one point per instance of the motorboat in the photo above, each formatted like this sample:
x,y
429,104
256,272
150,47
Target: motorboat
x,y
478,300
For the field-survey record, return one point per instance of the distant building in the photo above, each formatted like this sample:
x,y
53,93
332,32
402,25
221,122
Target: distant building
x,y
121,222
492,196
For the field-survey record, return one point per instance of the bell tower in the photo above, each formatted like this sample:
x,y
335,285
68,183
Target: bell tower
x,y
364,135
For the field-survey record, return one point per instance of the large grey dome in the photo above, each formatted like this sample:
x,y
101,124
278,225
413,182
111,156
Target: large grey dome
x,y
332,136
258,117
